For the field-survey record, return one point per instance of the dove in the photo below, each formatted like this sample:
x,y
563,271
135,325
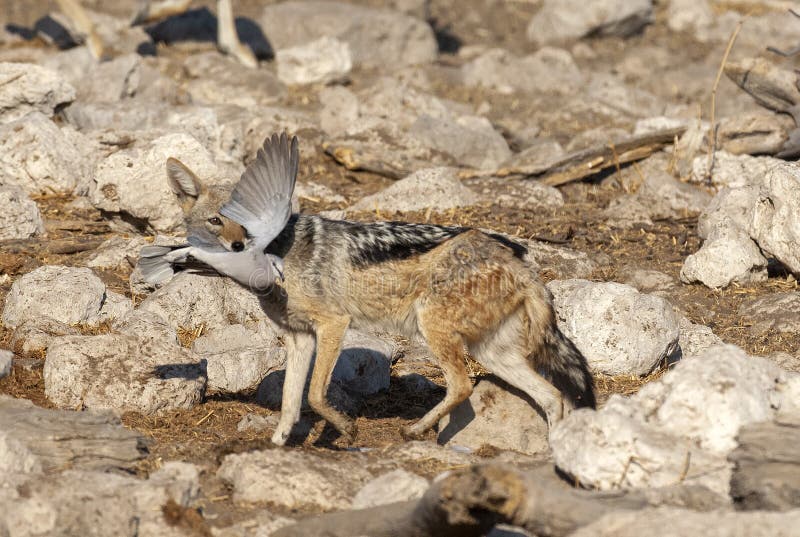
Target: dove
x,y
261,203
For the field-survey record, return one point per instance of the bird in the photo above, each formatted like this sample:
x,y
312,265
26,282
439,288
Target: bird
x,y
261,203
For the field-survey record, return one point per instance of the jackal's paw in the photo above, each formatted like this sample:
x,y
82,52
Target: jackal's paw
x,y
279,437
348,433
412,433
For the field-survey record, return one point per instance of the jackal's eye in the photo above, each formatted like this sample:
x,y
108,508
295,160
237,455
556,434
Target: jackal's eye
x,y
215,221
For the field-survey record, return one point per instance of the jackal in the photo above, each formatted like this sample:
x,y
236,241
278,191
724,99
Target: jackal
x,y
456,288
149,11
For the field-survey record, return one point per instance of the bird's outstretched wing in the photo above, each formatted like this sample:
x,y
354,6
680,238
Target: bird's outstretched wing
x,y
262,201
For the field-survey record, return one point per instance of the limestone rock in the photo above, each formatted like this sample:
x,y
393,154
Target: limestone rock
x,y
618,329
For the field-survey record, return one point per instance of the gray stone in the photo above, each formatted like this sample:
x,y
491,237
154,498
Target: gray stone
x,y
775,222
776,312
98,82
325,60
695,339
527,195
20,218
628,211
340,110
108,504
470,140
26,88
66,294
612,96
618,329
295,479
132,184
674,522
117,253
365,363
650,281
679,428
437,188
498,416
732,170
122,372
146,324
395,486
238,358
561,261
728,255
785,361
730,207
377,37
33,336
317,192
666,197
547,70
188,301
754,134
41,158
563,20
218,79
6,359
538,157
595,137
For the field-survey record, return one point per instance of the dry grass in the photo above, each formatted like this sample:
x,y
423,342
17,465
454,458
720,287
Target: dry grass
x,y
187,336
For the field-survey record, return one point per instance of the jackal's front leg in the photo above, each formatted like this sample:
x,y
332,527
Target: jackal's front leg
x,y
299,351
330,332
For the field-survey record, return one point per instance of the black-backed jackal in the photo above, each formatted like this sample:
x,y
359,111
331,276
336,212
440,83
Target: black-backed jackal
x,y
455,288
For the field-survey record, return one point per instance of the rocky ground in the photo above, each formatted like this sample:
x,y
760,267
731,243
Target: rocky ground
x,y
579,128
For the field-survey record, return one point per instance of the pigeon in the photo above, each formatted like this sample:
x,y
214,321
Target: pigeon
x,y
261,203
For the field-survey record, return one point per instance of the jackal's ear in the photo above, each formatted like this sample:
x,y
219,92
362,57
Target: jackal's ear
x,y
184,183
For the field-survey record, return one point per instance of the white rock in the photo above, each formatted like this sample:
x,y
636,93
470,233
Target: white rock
x,y
325,60
295,479
20,218
561,20
133,183
728,255
618,329
689,15
377,37
109,504
122,372
237,358
735,204
395,486
364,366
775,222
666,197
25,87
317,192
35,335
41,158
340,110
732,170
438,188
146,324
547,70
219,79
116,253
775,312
497,416
6,358
695,339
67,294
677,429
674,522
191,300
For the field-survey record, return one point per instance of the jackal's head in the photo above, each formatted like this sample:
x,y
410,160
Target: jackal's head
x,y
201,205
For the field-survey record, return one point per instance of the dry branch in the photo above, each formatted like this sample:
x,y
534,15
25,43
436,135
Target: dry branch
x,y
470,501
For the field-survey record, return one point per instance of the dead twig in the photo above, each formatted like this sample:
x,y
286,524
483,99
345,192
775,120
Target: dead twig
x,y
712,131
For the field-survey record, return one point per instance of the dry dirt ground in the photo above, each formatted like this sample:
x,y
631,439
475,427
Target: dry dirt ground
x,y
203,434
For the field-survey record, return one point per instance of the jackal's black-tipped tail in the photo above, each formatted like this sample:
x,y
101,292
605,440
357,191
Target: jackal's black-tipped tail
x,y
567,369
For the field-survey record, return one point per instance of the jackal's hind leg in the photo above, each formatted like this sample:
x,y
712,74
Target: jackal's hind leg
x,y
299,351
448,347
329,344
504,353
